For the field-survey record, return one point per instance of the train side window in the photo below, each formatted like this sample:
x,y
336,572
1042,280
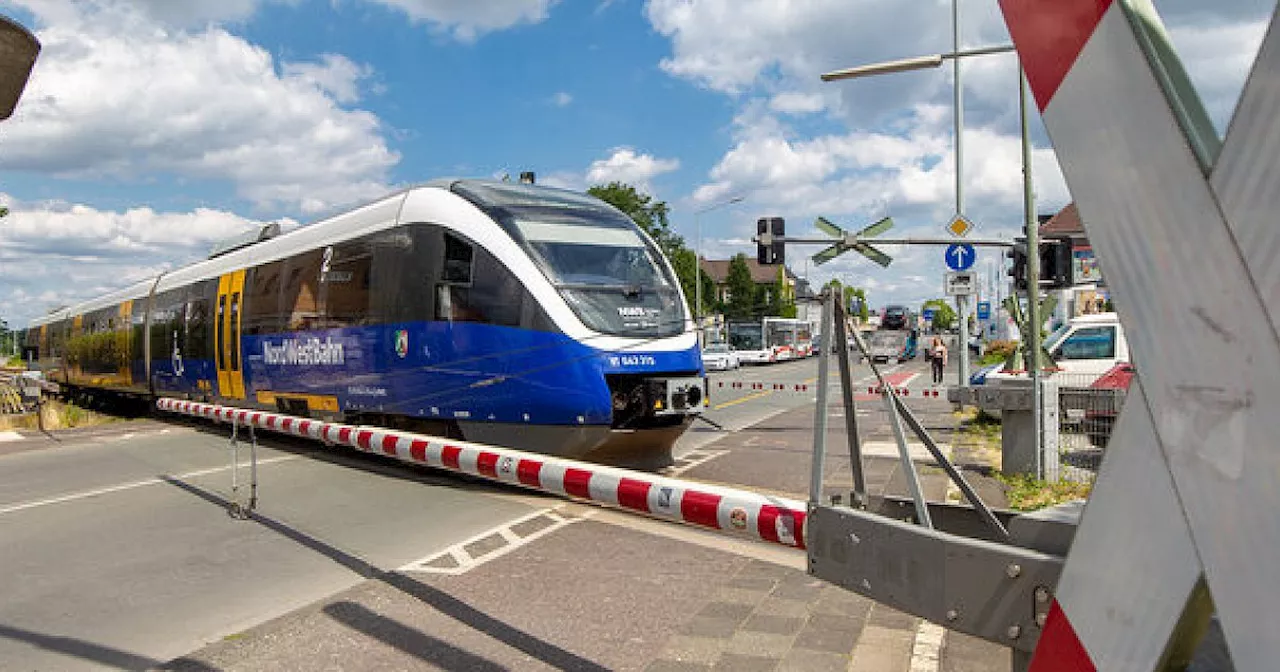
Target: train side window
x,y
302,294
198,345
222,323
262,300
458,256
346,278
403,274
197,330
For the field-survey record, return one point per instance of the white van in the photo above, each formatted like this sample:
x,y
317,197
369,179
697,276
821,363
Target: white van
x,y
1083,349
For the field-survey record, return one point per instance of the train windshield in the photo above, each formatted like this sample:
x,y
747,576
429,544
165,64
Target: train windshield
x,y
612,278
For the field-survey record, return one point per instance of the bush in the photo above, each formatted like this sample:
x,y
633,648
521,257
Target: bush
x,y
998,351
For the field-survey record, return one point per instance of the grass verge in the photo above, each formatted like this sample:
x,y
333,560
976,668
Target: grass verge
x,y
59,414
978,442
1029,494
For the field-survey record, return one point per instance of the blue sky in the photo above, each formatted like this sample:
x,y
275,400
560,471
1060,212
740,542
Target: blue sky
x,y
152,128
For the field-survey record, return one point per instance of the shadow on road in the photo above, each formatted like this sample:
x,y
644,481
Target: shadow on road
x,y
442,602
79,648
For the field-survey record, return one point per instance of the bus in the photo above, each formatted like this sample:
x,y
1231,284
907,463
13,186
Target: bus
x,y
747,338
788,338
772,339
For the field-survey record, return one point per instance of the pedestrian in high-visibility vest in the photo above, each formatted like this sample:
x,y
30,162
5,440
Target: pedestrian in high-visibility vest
x,y
938,358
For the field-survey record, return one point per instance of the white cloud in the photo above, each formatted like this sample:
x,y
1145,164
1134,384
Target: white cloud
x,y
336,75
1217,58
561,99
885,144
467,20
626,165
117,95
96,251
182,13
795,102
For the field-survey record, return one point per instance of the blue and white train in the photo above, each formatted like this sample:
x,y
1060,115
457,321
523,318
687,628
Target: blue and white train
x,y
495,312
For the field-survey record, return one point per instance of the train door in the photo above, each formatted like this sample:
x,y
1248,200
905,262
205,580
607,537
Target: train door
x,y
125,327
226,335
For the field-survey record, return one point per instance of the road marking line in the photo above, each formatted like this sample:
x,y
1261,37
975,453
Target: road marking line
x,y
13,508
739,400
10,436
706,456
466,563
926,652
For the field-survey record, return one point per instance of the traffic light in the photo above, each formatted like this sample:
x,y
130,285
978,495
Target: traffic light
x,y
1056,263
1018,271
775,252
1056,267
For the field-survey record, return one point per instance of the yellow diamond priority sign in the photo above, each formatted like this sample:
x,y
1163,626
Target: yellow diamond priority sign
x,y
959,226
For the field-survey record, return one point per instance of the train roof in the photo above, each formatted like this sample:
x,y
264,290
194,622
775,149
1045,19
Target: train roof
x,y
381,214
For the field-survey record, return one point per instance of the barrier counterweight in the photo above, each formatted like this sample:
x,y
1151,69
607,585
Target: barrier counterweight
x,y
736,512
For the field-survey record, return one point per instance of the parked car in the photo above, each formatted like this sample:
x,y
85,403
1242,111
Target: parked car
x,y
720,357
1083,349
1110,389
979,377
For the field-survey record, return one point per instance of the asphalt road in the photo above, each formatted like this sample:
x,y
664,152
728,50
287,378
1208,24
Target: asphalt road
x,y
119,551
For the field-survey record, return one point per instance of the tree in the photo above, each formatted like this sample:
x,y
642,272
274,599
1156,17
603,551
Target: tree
x,y
742,289
649,214
943,316
652,216
850,293
782,299
683,261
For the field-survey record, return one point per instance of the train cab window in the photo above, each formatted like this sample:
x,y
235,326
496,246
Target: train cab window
x,y
458,256
476,287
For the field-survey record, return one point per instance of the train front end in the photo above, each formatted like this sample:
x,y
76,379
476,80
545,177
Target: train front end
x,y
614,296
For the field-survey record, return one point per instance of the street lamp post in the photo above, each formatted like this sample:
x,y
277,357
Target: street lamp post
x,y
1028,196
926,62
697,259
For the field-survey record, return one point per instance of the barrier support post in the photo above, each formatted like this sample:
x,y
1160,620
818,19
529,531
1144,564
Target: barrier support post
x,y
841,342
820,408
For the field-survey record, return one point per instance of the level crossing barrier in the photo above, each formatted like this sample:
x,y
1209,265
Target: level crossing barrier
x,y
739,513
759,386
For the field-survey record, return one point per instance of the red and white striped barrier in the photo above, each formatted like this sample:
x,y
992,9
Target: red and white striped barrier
x,y
736,512
773,387
806,387
906,391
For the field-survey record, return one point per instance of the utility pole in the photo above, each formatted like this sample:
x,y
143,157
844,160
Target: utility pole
x,y
1032,339
961,302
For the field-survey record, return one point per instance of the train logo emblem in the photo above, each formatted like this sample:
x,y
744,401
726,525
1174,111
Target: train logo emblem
x,y
738,518
504,467
402,343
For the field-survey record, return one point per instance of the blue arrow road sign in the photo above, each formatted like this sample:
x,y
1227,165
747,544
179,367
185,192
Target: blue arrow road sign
x,y
984,310
960,256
